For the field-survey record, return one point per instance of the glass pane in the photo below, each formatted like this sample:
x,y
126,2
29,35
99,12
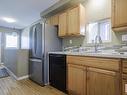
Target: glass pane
x,y
92,32
105,31
11,40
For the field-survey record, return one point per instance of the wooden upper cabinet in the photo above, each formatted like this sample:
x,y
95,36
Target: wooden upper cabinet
x,y
76,80
72,22
102,82
76,21
119,15
62,24
54,20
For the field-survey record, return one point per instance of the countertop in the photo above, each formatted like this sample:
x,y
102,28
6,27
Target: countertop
x,y
100,54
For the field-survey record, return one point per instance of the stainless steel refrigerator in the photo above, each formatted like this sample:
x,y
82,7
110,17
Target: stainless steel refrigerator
x,y
43,39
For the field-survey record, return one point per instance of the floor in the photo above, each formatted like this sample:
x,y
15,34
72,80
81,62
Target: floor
x,y
9,86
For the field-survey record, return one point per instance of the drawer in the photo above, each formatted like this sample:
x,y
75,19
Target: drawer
x,y
124,66
103,63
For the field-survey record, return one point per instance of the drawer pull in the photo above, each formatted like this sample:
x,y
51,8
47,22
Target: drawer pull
x,y
126,88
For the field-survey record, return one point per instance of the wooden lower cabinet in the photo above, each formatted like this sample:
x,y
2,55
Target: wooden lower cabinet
x,y
124,83
95,76
76,80
102,82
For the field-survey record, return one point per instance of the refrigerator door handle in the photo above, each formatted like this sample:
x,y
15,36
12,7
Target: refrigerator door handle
x,y
36,60
34,40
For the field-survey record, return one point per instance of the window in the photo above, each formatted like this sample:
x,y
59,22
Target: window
x,y
11,40
101,28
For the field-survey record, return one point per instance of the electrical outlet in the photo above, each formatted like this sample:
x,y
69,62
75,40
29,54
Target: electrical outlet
x,y
124,37
70,41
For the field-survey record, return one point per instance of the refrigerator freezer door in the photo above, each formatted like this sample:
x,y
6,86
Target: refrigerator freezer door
x,y
35,71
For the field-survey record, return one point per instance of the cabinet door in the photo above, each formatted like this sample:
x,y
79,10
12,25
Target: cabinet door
x,y
76,80
53,20
124,84
102,82
73,21
62,24
119,13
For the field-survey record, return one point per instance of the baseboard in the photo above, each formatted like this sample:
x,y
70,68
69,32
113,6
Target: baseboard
x,y
15,77
23,77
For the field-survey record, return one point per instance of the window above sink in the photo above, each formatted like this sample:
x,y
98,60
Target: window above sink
x,y
101,28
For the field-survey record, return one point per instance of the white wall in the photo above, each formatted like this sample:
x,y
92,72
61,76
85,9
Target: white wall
x,y
25,35
97,10
25,38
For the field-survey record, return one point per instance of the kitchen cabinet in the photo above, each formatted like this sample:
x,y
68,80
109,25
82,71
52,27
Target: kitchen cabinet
x,y
96,76
119,15
76,80
72,22
76,21
102,82
124,85
124,77
53,20
62,25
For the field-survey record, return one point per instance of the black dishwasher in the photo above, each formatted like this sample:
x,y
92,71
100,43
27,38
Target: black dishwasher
x,y
57,71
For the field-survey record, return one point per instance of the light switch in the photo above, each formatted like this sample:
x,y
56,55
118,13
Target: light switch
x,y
124,37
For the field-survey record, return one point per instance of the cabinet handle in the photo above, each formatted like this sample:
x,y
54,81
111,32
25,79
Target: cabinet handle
x,y
125,88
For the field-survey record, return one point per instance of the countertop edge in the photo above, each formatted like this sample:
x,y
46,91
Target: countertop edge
x,y
118,56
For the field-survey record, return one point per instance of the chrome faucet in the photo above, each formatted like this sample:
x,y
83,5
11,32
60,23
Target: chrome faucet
x,y
98,41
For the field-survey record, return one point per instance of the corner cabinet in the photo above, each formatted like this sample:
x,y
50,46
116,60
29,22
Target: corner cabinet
x,y
53,20
119,15
72,22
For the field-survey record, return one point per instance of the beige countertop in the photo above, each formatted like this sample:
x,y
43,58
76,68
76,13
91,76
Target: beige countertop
x,y
100,54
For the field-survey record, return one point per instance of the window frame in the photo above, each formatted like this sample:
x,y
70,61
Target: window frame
x,y
98,32
11,33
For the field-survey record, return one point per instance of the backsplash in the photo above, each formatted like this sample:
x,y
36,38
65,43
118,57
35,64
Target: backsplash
x,y
82,41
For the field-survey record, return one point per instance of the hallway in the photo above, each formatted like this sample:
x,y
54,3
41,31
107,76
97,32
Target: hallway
x,y
9,86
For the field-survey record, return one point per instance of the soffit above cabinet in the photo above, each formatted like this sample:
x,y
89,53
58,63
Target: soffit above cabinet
x,y
60,6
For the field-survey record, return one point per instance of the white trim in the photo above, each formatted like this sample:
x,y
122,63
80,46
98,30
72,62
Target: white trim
x,y
14,76
47,83
23,77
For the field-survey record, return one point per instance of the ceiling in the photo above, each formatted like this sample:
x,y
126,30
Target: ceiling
x,y
24,11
